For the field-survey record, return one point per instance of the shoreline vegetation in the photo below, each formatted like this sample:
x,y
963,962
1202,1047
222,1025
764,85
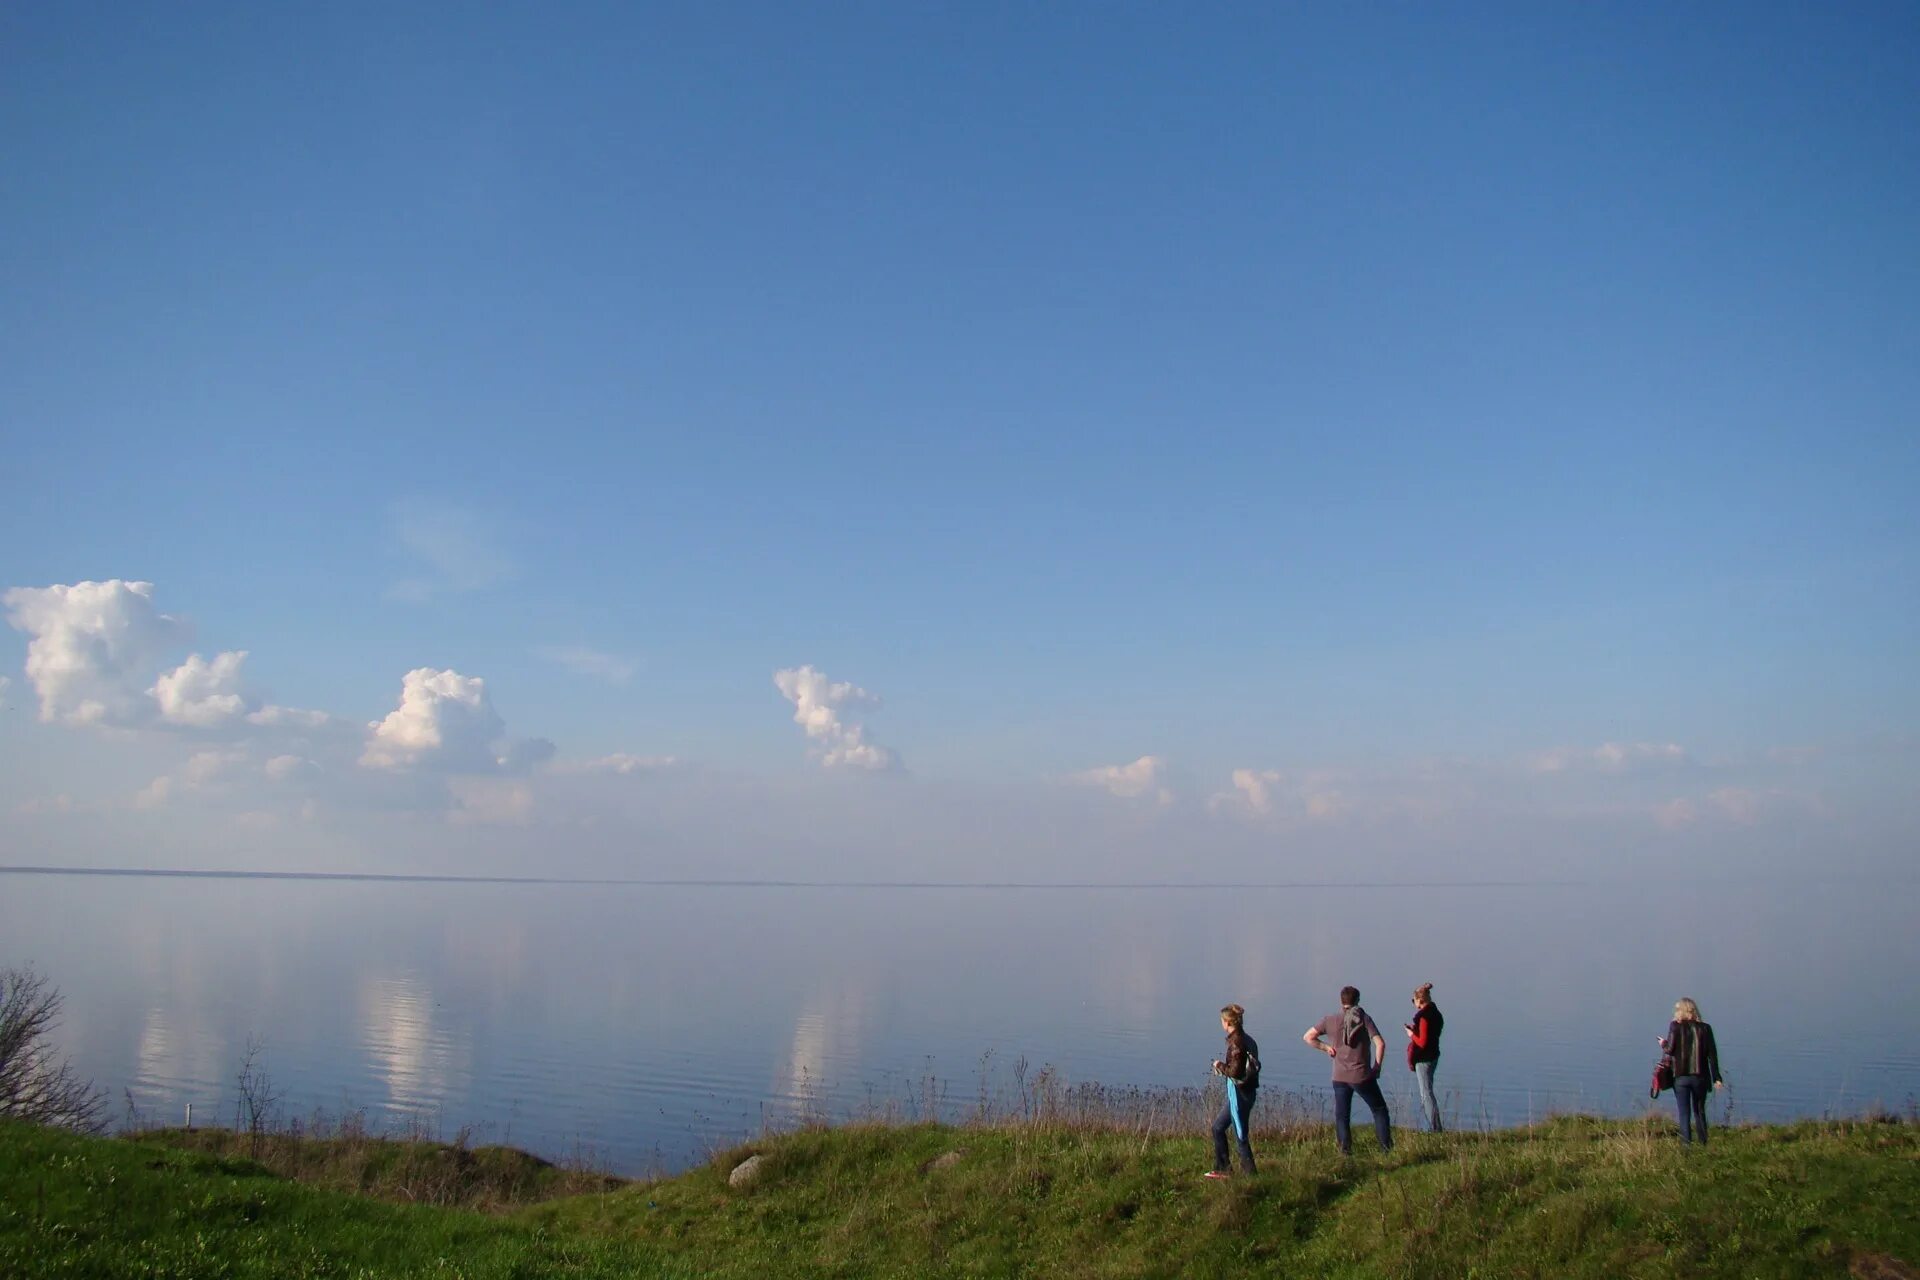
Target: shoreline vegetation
x,y
1109,1187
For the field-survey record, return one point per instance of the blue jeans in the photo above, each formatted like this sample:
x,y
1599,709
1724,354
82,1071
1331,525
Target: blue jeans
x,y
1690,1095
1244,1134
1423,1073
1343,1114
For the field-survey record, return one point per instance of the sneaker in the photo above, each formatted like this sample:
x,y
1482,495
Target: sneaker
x,y
1216,1176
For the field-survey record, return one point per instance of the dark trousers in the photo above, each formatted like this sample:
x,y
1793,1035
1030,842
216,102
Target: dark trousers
x,y
1223,1124
1690,1095
1343,1114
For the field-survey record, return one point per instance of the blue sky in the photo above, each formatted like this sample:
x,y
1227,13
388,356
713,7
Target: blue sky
x,y
1301,389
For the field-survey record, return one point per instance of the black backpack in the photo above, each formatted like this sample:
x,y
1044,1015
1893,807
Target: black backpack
x,y
1252,1069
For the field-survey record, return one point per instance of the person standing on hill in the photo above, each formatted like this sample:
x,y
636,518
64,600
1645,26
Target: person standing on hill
x,y
1423,1050
1355,1046
1241,1067
1696,1067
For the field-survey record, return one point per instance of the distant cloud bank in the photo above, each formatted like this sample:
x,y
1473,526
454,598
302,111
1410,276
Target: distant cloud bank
x,y
1611,757
102,656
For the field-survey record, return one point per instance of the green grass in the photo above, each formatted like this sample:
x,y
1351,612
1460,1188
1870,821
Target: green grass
x,y
1573,1197
416,1171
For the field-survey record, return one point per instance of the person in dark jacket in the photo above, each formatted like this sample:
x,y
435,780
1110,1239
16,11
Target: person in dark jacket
x,y
1241,1067
1696,1067
1423,1050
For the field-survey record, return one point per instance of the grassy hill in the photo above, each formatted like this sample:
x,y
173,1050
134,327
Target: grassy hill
x,y
1574,1197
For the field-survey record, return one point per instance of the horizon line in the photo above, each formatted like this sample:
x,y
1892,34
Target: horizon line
x,y
215,873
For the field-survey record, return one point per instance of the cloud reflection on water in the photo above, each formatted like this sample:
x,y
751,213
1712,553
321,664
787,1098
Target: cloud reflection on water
x,y
419,1061
829,1037
656,1021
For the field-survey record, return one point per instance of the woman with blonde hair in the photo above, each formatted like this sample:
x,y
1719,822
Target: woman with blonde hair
x,y
1423,1050
1241,1067
1696,1067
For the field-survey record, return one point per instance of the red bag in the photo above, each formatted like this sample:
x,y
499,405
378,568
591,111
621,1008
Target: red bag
x,y
1662,1076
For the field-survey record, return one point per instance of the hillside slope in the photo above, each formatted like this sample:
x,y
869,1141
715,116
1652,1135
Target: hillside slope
x,y
1575,1197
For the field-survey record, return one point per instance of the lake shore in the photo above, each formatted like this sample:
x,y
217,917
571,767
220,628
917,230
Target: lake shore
x,y
1574,1196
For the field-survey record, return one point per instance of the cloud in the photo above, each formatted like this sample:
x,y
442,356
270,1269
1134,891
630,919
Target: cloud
x,y
90,648
155,793
819,707
590,662
283,768
203,771
1610,757
1315,795
1741,805
1735,806
61,803
490,802
618,763
1253,786
203,768
93,657
456,551
202,694
1145,777
296,720
446,722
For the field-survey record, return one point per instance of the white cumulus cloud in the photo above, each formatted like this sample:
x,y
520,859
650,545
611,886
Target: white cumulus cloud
x,y
446,722
203,694
821,707
91,648
94,652
1145,777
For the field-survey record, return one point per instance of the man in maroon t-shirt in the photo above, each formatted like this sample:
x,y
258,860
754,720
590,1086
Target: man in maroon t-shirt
x,y
1357,1050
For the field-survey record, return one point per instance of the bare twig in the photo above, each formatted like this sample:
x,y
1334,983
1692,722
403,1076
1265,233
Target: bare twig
x,y
35,1084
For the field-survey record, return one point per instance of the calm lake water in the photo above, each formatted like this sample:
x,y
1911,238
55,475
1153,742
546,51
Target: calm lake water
x,y
651,1023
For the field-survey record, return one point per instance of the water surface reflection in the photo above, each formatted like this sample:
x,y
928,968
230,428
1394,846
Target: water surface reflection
x,y
651,1023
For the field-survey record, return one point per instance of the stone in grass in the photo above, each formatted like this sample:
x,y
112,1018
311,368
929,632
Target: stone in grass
x,y
746,1172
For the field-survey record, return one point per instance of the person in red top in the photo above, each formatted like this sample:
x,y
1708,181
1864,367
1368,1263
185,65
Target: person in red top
x,y
1423,1050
